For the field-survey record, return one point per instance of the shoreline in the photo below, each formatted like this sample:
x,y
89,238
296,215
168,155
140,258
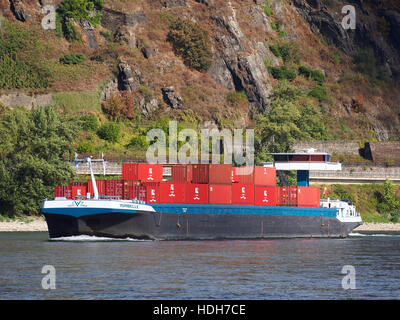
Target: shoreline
x,y
38,224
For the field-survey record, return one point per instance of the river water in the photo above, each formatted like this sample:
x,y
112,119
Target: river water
x,y
96,268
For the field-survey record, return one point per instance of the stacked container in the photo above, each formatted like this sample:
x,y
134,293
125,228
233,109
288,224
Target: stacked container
x,y
287,196
242,194
265,196
308,197
172,192
101,187
181,173
63,191
212,173
198,184
115,188
196,193
220,194
143,172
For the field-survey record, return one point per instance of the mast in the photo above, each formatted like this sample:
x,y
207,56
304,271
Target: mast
x,y
96,192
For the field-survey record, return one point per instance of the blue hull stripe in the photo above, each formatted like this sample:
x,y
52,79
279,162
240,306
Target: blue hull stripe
x,y
79,212
203,209
242,209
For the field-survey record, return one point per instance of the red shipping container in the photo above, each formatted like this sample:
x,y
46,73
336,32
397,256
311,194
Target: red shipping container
x,y
220,194
242,193
264,176
128,189
77,184
144,172
265,196
259,176
196,193
115,188
212,173
101,187
128,171
78,192
308,197
181,173
287,196
149,193
149,172
245,175
172,192
235,178
63,191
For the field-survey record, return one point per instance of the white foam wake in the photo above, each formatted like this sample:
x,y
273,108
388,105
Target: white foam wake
x,y
85,238
356,234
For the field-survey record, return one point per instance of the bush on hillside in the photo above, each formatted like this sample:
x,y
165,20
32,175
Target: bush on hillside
x,y
287,50
282,73
73,58
68,10
319,93
191,41
315,75
89,122
110,131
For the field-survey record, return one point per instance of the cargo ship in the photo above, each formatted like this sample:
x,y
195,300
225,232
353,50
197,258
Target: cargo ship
x,y
199,202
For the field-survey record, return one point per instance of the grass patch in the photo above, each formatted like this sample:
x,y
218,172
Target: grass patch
x,y
72,102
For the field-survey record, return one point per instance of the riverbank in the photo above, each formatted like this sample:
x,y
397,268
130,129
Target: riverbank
x,y
369,226
29,225
39,224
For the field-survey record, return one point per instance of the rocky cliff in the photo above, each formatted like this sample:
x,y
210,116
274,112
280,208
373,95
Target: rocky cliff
x,y
131,48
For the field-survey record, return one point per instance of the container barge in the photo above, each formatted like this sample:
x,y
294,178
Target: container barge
x,y
199,202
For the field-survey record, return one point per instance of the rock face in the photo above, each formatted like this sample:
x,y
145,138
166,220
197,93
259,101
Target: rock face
x,y
170,98
14,100
366,34
128,79
173,3
113,20
239,64
394,19
26,10
126,34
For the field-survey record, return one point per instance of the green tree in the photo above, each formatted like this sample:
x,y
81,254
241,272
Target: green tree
x,y
110,131
389,201
289,118
33,149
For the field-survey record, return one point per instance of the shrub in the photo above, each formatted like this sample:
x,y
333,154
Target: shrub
x,y
282,73
73,58
139,142
287,50
192,43
107,35
315,75
319,93
267,9
89,122
89,10
237,98
119,106
70,31
85,147
110,131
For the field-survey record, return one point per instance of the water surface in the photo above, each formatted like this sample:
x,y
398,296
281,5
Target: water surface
x,y
97,268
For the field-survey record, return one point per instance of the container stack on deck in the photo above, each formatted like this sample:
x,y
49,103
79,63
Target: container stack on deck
x,y
198,184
